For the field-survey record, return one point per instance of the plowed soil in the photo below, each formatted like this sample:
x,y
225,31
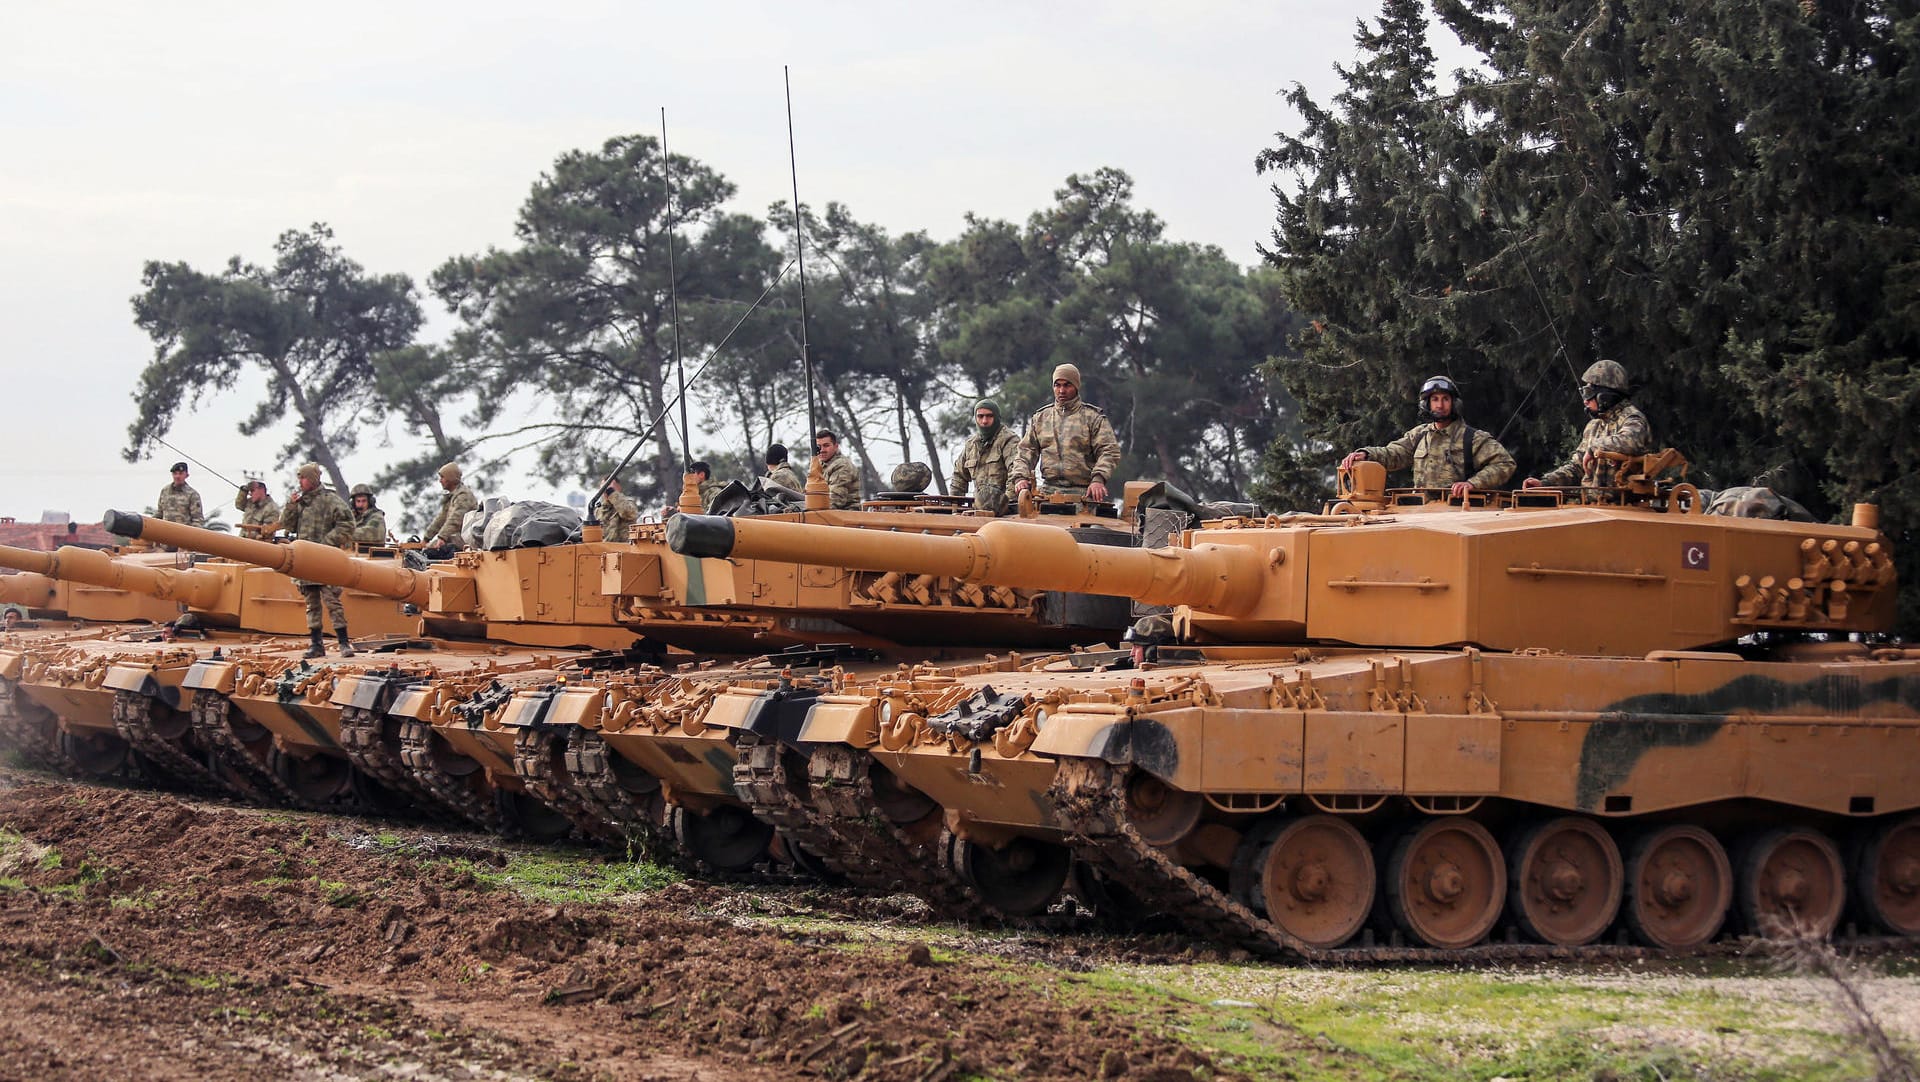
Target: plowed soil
x,y
146,936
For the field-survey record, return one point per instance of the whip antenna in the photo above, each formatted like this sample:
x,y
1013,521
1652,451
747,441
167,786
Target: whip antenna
x,y
799,257
673,300
155,438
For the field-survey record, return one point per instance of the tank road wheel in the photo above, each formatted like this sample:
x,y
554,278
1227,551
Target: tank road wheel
x,y
531,818
1162,814
1679,884
1887,879
728,837
319,779
1317,880
1567,881
94,753
1446,882
1020,879
1791,879
902,804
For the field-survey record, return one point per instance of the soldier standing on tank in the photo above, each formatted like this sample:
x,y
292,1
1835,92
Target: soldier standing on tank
x,y
259,515
178,502
843,480
443,533
315,513
779,473
1069,444
1443,450
1617,425
987,459
616,512
709,488
369,522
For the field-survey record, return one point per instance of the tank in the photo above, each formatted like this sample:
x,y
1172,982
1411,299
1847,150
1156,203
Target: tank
x,y
1549,722
597,736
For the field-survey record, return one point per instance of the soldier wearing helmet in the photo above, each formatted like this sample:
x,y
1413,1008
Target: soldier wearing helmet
x,y
443,533
369,522
1617,425
1443,450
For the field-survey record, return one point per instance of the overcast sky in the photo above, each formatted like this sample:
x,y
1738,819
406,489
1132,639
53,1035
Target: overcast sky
x,y
199,131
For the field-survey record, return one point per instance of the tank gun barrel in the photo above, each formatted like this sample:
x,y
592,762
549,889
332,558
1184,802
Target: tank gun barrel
x,y
30,588
1224,579
306,560
199,589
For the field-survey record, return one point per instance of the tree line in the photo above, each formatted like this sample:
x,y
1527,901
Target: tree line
x,y
566,341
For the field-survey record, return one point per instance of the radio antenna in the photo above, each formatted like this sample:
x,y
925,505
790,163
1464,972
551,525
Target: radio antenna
x,y
800,259
673,300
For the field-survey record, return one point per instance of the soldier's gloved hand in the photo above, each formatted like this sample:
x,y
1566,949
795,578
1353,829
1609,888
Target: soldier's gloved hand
x,y
1353,460
1460,490
1097,492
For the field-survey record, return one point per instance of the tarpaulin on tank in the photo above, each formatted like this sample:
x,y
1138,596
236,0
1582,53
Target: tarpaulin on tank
x,y
530,524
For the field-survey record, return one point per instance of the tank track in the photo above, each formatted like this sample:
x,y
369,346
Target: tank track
x,y
539,754
589,764
210,721
361,739
133,720
29,726
836,822
1091,798
416,752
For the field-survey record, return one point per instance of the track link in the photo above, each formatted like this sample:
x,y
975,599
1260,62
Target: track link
x,y
416,752
211,722
133,719
538,751
29,726
590,767
366,747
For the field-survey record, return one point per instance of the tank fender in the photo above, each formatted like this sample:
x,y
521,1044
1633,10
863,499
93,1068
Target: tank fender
x,y
853,720
1113,737
216,676
780,713
139,680
370,691
11,662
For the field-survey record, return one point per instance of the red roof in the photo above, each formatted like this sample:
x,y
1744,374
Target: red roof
x,y
47,536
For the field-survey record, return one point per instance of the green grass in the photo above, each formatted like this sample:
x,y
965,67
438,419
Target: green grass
x,y
561,877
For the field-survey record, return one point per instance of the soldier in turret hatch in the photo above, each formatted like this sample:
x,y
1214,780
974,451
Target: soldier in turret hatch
x,y
1443,450
1617,425
1069,446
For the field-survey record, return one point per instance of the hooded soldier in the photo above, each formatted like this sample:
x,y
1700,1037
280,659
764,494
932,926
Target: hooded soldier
x,y
1443,450
987,459
780,473
369,522
1617,425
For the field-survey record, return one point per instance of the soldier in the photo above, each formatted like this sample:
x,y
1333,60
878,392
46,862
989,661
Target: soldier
x,y
987,459
1617,425
1069,443
178,501
1443,453
369,522
843,481
315,513
616,513
709,488
259,515
779,473
444,531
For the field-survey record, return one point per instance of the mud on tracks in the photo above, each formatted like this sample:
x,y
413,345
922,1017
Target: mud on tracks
x,y
149,937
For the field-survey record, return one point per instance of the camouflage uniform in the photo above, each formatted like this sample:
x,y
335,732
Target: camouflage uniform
x,y
1073,446
843,482
710,488
1623,429
453,511
179,503
263,517
1438,456
370,528
783,475
617,514
986,466
323,517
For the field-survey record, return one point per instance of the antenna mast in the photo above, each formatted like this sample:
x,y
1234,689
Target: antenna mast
x,y
800,260
673,299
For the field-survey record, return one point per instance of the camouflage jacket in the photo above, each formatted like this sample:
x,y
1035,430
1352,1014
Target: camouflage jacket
x,y
264,515
1623,428
709,489
320,515
986,466
617,514
843,482
179,503
1438,456
783,475
1073,446
453,511
370,528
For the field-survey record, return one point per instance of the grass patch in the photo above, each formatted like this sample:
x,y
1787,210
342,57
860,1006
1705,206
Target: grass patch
x,y
561,877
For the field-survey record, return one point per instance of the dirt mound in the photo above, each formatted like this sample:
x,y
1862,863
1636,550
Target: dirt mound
x,y
138,891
